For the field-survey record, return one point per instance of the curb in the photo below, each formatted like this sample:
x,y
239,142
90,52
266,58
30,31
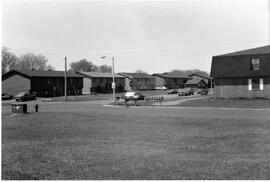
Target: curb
x,y
203,108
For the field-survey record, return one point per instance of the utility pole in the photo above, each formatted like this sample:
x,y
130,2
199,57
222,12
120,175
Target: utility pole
x,y
269,19
113,83
65,78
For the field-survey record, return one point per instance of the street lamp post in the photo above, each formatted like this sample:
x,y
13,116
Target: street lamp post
x,y
113,83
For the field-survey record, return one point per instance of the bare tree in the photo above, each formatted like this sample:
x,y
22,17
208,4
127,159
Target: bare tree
x,y
83,65
189,72
140,71
31,61
9,60
50,67
105,69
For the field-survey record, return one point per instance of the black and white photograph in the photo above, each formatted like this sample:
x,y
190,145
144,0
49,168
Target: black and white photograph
x,y
135,90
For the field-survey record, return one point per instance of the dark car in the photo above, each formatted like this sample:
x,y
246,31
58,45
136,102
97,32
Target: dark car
x,y
172,91
6,96
204,92
24,97
190,91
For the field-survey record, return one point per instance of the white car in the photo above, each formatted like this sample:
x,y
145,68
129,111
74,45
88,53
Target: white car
x,y
134,96
161,88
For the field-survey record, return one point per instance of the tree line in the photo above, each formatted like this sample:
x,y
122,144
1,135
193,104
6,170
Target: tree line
x,y
183,72
24,62
30,61
39,62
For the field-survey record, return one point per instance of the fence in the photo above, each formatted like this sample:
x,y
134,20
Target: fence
x,y
147,99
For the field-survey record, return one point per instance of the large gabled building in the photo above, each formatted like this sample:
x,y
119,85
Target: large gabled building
x,y
171,80
139,81
42,83
199,76
243,74
196,82
101,82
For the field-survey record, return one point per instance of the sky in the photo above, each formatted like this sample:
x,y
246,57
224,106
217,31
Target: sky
x,y
154,36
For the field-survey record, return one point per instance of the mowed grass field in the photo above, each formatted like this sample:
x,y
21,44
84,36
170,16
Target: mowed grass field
x,y
228,103
81,141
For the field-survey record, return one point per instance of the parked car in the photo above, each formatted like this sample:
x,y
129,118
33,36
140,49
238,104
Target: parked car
x,y
133,96
190,91
202,91
24,96
161,88
6,96
182,92
172,91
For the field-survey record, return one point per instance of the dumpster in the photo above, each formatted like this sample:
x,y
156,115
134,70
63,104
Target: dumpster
x,y
19,108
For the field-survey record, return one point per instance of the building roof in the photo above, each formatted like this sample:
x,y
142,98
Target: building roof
x,y
136,75
200,75
171,75
240,66
100,75
258,50
41,73
194,81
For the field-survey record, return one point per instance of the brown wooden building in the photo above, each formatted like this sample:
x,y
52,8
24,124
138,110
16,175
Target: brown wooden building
x,y
243,74
171,80
42,83
101,82
204,77
139,81
196,82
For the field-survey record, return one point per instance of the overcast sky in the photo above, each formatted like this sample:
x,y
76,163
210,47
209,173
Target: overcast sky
x,y
148,35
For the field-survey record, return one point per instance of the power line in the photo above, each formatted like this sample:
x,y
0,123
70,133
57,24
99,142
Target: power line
x,y
60,53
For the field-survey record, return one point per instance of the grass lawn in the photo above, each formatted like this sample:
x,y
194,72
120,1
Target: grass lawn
x,y
230,103
89,145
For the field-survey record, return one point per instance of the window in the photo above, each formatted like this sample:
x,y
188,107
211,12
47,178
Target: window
x,y
255,84
255,64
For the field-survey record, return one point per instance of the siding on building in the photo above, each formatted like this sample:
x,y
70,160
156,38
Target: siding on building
x,y
101,82
198,77
16,84
238,88
102,85
159,81
232,72
142,83
87,84
171,80
139,81
54,86
127,84
42,83
199,84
